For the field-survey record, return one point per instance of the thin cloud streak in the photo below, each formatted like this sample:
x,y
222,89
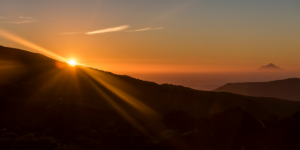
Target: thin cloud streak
x,y
146,29
18,20
22,22
114,29
159,28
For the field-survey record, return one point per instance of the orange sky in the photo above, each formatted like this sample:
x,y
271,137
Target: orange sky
x,y
159,36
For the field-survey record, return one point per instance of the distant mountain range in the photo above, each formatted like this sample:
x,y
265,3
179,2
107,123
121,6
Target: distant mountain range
x,y
288,89
47,104
270,67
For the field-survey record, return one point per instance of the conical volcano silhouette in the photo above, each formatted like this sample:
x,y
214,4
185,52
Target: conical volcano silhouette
x,y
270,67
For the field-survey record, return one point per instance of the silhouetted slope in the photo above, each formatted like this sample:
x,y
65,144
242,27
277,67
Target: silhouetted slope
x,y
46,104
288,89
270,67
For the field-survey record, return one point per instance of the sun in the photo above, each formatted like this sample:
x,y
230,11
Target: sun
x,y
72,63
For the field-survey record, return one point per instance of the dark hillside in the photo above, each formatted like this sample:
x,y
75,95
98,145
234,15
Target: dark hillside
x,y
46,104
288,89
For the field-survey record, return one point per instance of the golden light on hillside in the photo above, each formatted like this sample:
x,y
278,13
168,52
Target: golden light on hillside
x,y
72,63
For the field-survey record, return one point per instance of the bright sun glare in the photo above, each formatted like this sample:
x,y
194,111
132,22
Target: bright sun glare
x,y
72,63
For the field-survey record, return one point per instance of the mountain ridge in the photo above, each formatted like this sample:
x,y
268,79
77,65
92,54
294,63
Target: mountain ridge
x,y
62,107
282,89
270,67
39,69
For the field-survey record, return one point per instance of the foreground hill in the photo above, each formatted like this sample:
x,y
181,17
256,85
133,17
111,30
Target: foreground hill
x,y
288,89
46,104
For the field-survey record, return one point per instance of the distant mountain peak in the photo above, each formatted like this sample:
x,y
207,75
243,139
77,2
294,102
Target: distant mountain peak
x,y
271,64
270,67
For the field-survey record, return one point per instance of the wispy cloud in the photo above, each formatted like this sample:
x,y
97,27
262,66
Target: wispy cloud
x,y
114,29
159,28
146,29
138,30
22,21
18,20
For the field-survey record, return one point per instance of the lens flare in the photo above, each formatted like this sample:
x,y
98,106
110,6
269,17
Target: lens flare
x,y
72,63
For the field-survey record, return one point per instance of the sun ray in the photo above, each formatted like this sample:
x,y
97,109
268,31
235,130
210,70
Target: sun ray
x,y
31,45
124,96
119,109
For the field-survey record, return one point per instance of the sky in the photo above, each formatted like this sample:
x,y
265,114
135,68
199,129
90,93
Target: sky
x,y
157,35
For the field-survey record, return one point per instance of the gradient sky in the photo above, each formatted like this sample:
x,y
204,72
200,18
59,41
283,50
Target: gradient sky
x,y
125,36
